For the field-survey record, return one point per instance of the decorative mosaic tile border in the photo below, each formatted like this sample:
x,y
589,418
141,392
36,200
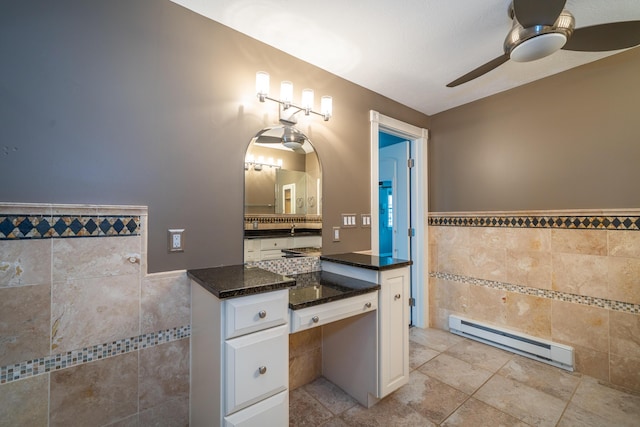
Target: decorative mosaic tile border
x,y
16,227
283,219
59,361
591,222
289,266
543,293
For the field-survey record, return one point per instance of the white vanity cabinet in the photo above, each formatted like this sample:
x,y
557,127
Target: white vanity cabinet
x,y
393,332
392,364
239,359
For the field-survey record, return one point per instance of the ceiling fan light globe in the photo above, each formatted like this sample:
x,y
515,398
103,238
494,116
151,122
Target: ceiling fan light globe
x,y
538,47
294,145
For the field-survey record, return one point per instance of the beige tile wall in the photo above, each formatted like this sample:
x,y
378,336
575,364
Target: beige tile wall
x,y
596,263
59,295
305,357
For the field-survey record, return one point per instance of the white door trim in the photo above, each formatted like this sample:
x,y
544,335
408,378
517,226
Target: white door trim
x,y
419,195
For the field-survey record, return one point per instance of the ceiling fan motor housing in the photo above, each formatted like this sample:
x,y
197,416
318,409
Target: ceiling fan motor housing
x,y
535,42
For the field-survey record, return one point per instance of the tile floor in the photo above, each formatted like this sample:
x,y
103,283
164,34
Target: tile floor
x,y
459,382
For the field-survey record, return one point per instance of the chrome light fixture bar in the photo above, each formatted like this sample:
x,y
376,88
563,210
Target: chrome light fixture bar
x,y
257,164
286,99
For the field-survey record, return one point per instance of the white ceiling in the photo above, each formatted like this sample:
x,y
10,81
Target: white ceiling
x,y
407,50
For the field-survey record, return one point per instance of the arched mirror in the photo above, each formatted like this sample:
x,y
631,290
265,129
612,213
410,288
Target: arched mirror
x,y
282,196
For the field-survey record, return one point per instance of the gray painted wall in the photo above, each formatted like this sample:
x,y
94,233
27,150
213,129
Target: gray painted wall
x,y
570,141
147,103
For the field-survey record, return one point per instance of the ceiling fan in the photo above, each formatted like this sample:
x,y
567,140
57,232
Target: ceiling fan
x,y
541,27
285,135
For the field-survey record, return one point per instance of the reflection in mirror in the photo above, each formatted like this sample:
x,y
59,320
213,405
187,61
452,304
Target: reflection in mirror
x,y
283,196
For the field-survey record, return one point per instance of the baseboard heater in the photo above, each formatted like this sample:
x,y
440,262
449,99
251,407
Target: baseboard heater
x,y
544,351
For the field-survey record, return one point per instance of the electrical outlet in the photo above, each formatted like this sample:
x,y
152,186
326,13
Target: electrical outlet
x,y
176,240
336,234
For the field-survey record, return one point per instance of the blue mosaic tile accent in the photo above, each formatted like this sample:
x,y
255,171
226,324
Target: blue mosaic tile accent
x,y
17,227
543,221
59,361
543,293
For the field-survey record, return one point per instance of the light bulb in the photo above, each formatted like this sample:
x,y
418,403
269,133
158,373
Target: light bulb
x,y
286,92
262,84
326,106
307,99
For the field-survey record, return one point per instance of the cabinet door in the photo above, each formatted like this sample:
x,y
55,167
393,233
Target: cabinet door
x,y
257,367
307,241
394,331
272,412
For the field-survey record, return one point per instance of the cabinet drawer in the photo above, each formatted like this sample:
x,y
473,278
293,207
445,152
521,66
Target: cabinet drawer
x,y
322,314
276,243
257,367
273,411
307,242
256,312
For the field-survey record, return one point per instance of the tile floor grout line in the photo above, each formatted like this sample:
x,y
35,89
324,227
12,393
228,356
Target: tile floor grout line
x,y
570,400
503,371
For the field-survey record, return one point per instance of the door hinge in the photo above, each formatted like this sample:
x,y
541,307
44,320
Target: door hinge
x,y
411,232
410,163
412,302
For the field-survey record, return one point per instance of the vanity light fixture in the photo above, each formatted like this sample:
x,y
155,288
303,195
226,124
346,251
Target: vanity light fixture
x,y
286,99
257,165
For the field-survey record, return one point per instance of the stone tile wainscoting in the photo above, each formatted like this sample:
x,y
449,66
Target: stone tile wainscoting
x,y
570,277
86,336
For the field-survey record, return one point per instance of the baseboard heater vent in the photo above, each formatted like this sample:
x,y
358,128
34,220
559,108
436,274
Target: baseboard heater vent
x,y
544,351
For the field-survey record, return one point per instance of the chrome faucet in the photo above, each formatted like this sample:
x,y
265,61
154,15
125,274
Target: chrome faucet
x,y
293,229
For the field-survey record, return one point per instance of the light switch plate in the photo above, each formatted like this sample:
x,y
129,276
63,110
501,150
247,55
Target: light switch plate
x,y
336,234
365,220
176,240
349,220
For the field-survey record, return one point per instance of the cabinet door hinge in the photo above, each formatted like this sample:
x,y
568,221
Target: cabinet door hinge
x,y
410,163
412,302
411,232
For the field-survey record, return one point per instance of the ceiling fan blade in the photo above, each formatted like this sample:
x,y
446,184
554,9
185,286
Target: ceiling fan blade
x,y
483,69
265,139
537,12
603,37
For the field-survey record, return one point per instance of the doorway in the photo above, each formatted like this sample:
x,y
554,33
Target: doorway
x,y
399,188
288,198
386,222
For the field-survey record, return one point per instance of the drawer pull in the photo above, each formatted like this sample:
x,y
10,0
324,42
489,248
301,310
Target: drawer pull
x,y
397,296
262,370
368,305
315,319
262,314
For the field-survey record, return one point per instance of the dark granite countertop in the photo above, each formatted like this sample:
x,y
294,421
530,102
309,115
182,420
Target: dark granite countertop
x,y
239,280
321,287
284,232
371,262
